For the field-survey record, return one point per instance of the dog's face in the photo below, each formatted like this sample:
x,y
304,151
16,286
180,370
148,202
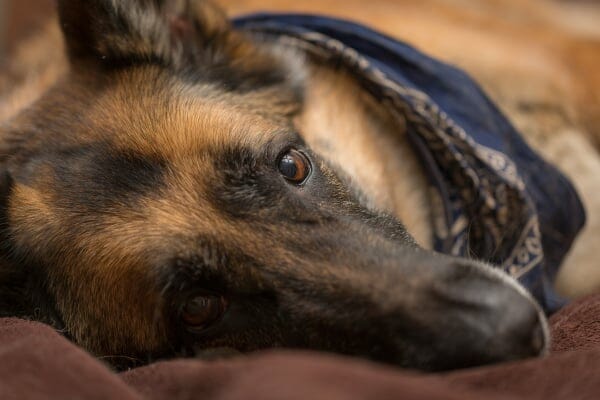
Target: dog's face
x,y
160,201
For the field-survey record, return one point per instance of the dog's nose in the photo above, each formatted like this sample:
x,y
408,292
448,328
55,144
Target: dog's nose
x,y
495,318
515,322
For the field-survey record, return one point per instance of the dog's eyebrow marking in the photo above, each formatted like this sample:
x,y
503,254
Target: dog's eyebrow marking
x,y
106,177
129,171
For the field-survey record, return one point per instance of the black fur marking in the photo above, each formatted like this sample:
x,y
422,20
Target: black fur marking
x,y
12,281
250,186
237,78
23,292
245,185
98,177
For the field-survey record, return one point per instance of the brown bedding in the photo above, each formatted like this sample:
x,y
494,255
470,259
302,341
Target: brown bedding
x,y
37,363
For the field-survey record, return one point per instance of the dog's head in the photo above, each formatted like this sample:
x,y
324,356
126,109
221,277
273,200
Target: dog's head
x,y
160,200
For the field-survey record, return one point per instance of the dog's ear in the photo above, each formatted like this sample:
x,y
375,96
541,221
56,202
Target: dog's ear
x,y
190,35
167,31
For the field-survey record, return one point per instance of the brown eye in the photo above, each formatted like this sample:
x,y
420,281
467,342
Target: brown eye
x,y
201,311
294,166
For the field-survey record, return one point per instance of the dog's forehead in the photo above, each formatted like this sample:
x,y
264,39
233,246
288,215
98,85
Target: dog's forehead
x,y
143,143
171,117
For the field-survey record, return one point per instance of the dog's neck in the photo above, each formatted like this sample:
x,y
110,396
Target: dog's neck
x,y
346,126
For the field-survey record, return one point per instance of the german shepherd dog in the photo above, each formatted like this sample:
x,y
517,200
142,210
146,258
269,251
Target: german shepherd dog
x,y
173,187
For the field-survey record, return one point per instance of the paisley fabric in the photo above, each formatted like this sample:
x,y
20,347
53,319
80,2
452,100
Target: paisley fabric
x,y
495,199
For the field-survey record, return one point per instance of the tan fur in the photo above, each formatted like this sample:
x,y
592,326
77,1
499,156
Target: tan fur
x,y
369,145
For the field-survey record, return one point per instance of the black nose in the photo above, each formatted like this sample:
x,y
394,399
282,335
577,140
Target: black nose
x,y
515,323
473,315
489,318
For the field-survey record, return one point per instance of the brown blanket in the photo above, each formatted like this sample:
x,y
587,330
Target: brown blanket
x,y
37,363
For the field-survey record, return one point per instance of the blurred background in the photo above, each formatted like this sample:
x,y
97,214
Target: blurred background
x,y
18,18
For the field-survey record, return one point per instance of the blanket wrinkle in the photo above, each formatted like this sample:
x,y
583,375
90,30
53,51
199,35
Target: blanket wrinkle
x,y
292,375
37,363
568,375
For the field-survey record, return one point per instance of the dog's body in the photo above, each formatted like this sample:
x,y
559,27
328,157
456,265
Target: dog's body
x,y
141,192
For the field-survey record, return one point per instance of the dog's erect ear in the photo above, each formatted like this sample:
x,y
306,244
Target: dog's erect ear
x,y
167,31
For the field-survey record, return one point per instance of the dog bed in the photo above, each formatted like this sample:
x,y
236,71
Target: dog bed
x,y
38,363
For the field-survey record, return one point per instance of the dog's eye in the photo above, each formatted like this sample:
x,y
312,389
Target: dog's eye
x,y
294,166
201,311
